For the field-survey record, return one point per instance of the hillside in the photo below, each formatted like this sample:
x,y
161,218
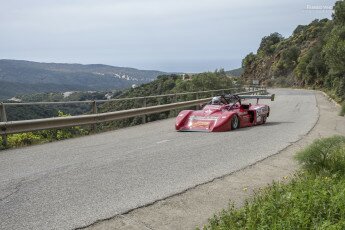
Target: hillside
x,y
44,111
24,77
313,56
235,72
164,84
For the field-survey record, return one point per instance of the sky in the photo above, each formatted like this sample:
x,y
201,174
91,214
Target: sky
x,y
166,35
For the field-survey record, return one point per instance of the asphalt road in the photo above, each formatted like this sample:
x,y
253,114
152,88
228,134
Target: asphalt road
x,y
73,183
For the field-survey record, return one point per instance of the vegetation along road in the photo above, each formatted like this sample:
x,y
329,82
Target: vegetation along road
x,y
73,183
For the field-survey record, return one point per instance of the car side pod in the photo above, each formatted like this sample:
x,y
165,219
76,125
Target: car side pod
x,y
182,118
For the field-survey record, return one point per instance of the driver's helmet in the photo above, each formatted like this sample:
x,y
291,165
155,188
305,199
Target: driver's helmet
x,y
215,101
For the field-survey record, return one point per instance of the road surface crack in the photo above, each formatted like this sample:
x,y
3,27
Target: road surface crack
x,y
297,107
13,191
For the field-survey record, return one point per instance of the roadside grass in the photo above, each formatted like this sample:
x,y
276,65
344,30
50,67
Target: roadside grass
x,y
342,110
313,199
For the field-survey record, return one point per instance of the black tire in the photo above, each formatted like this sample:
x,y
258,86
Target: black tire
x,y
235,122
264,118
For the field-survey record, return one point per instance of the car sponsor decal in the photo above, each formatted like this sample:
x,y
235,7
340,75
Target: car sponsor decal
x,y
200,124
202,118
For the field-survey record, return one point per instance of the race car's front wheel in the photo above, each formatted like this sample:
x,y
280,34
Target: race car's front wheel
x,y
235,123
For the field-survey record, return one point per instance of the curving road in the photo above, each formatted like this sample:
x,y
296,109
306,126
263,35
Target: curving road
x,y
73,183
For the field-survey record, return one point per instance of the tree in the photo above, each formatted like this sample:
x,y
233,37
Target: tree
x,y
268,42
334,50
299,29
248,60
339,13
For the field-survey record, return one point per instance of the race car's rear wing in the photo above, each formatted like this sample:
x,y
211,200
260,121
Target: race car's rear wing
x,y
257,97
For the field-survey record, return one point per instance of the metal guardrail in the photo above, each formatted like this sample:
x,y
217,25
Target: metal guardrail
x,y
197,93
11,127
94,103
119,99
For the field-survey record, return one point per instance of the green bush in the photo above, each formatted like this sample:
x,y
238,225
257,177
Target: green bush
x,y
325,155
22,139
307,202
30,138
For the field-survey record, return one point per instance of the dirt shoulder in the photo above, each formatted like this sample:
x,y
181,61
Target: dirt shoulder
x,y
193,207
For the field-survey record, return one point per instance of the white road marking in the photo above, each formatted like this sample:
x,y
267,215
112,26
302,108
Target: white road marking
x,y
162,141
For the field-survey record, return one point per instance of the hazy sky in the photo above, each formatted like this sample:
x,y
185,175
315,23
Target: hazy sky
x,y
169,35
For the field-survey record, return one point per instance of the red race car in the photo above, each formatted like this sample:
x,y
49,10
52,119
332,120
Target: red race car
x,y
224,113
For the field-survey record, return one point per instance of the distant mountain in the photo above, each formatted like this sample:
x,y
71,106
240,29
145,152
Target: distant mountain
x,y
235,72
22,77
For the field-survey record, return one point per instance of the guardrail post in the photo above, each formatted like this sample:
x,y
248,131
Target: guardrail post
x,y
196,98
94,111
174,101
144,116
3,118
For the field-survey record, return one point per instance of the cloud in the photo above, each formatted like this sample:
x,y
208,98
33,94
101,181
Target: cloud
x,y
165,34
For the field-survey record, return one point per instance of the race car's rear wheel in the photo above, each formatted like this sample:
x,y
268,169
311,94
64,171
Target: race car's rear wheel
x,y
264,118
235,123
